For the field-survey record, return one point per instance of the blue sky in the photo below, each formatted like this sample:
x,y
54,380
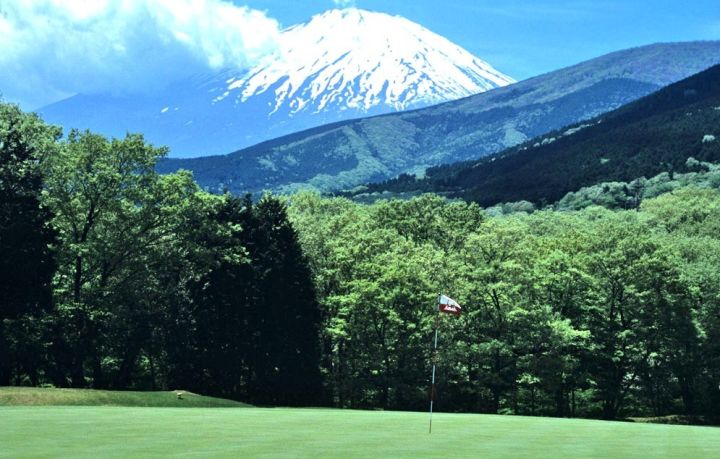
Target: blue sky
x,y
52,49
524,38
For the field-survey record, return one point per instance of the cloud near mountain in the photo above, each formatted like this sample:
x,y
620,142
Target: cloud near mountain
x,y
74,46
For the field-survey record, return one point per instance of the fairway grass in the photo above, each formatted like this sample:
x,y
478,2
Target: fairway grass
x,y
35,396
258,432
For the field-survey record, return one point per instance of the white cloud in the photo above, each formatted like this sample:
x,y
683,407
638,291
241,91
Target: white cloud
x,y
344,3
54,48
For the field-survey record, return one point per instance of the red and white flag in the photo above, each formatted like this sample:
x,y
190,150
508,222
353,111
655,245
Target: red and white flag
x,y
448,305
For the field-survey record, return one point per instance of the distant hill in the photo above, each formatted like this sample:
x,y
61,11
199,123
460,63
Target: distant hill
x,y
655,134
347,154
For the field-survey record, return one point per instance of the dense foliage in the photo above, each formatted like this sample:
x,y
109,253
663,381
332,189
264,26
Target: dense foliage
x,y
151,283
117,277
653,135
592,313
26,239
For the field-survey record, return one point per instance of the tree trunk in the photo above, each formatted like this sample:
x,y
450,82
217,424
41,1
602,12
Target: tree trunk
x,y
688,396
127,365
386,383
609,409
4,358
98,375
495,400
4,374
77,280
340,378
77,372
532,399
153,373
560,402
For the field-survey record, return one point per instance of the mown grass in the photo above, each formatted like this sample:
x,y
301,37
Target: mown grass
x,y
32,396
263,432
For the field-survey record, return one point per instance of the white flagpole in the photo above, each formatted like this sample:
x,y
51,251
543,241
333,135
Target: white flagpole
x,y
434,360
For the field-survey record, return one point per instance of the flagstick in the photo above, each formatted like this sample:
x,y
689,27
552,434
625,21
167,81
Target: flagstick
x,y
434,360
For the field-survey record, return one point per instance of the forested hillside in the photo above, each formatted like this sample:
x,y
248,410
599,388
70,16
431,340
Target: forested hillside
x,y
655,134
127,279
343,155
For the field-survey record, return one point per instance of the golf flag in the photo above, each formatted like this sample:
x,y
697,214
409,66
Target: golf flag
x,y
448,305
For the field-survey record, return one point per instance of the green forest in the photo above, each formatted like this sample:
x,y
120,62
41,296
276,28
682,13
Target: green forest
x,y
117,277
652,135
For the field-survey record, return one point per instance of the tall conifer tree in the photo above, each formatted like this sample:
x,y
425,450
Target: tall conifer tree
x,y
26,260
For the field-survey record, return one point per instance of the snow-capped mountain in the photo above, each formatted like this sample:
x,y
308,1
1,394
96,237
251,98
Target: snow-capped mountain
x,y
341,64
353,59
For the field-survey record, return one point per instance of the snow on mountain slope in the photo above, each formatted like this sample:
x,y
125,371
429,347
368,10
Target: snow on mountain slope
x,y
342,64
359,59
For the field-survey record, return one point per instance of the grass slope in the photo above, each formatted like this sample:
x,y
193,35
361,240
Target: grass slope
x,y
33,396
256,432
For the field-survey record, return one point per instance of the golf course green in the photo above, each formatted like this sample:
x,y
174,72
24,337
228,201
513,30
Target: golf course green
x,y
111,431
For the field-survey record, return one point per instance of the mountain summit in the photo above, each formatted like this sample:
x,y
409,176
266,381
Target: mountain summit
x,y
360,60
341,64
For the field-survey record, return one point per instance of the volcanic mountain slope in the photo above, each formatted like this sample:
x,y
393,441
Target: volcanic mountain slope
x,y
346,154
656,134
340,65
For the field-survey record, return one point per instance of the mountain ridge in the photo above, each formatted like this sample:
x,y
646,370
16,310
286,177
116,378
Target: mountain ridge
x,y
653,135
349,153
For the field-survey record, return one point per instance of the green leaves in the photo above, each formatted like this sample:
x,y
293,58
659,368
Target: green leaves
x,y
27,241
593,313
598,308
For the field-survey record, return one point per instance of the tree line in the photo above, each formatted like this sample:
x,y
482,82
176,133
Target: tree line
x,y
594,313
114,276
